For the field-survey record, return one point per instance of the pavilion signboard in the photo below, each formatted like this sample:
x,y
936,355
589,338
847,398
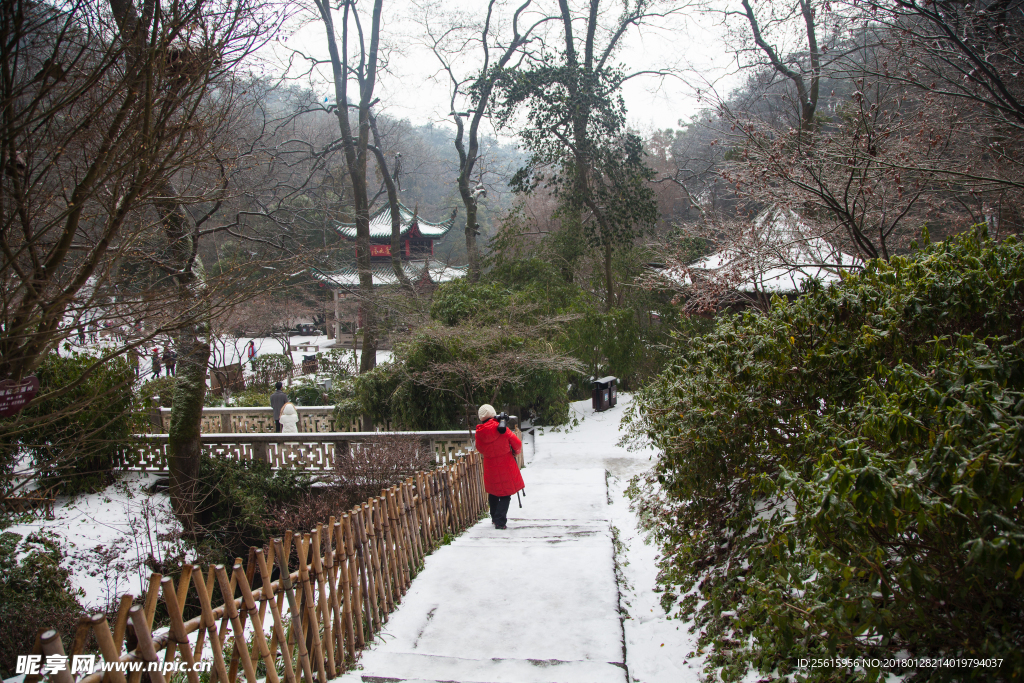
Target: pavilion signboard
x,y
15,395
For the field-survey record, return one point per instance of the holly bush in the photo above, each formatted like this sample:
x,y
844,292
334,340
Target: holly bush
x,y
842,477
83,427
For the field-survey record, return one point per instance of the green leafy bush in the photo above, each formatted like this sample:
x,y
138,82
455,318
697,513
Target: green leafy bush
x,y
236,500
459,300
162,387
35,593
76,438
272,367
254,397
442,370
337,364
843,476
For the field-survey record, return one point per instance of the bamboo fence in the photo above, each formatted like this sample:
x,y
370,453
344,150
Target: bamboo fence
x,y
308,622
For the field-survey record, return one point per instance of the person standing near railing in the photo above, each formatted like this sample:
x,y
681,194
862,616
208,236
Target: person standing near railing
x,y
502,478
289,419
277,401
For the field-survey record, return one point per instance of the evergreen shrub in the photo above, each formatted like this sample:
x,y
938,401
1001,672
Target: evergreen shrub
x,y
843,476
35,593
237,498
162,387
79,436
272,367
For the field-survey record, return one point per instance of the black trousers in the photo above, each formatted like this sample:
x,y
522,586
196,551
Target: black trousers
x,y
499,508
277,426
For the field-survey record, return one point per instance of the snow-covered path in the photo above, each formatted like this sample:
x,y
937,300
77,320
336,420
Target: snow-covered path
x,y
540,601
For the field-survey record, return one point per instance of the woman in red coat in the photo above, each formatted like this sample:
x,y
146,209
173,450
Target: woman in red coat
x,y
501,472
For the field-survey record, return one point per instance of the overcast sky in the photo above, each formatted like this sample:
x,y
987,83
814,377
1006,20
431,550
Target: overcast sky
x,y
416,89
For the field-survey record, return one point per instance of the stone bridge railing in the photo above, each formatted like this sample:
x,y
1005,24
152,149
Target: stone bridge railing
x,y
318,419
314,451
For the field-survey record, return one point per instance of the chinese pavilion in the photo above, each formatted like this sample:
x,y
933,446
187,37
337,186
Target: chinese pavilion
x,y
416,237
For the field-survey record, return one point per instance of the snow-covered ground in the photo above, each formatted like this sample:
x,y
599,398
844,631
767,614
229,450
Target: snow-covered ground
x,y
109,536
549,599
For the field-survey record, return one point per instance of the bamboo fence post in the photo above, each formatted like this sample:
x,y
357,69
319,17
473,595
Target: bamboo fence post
x,y
105,640
146,649
211,581
51,645
249,573
460,494
390,549
211,627
286,587
373,550
314,622
178,638
386,543
336,571
456,494
406,521
82,631
366,566
348,523
121,623
416,498
446,492
391,508
275,613
131,639
37,649
260,638
241,649
427,494
183,584
332,571
326,614
428,514
228,595
403,544
444,499
344,594
414,523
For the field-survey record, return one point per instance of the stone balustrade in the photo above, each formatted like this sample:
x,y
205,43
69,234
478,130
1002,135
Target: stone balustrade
x,y
316,419
313,451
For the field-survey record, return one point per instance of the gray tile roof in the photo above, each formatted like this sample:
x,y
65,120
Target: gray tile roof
x,y
380,224
383,274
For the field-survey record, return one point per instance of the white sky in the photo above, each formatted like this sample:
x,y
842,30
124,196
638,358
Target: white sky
x,y
415,88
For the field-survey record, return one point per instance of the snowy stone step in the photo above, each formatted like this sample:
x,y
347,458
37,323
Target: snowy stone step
x,y
416,668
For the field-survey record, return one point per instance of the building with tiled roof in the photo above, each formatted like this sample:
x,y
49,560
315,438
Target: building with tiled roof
x,y
416,236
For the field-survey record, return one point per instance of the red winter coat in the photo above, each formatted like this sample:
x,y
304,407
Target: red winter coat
x,y
501,472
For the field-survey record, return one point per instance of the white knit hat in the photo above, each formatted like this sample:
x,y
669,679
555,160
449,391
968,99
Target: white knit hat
x,y
486,412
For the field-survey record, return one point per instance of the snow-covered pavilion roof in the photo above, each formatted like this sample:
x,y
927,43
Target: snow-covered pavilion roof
x,y
380,224
384,274
786,255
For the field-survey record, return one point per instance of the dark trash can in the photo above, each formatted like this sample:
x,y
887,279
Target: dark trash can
x,y
309,365
603,396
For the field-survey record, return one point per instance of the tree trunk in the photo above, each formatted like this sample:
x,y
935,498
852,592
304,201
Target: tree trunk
x,y
184,444
610,299
193,347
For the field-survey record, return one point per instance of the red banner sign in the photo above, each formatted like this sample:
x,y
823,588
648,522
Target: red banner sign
x,y
15,395
380,250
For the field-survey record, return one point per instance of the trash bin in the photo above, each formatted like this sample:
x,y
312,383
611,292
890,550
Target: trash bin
x,y
603,396
309,365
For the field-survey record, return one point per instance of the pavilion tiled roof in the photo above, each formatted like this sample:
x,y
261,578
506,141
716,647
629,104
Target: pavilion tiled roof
x,y
380,224
383,274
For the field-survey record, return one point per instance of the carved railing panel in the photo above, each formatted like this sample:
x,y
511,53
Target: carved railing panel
x,y
315,419
314,451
